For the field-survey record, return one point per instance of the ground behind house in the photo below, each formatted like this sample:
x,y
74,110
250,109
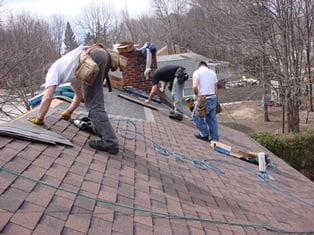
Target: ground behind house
x,y
242,110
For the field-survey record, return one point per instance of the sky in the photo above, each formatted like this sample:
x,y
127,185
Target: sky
x,y
71,8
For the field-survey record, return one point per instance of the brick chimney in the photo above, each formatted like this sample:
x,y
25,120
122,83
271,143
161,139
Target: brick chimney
x,y
133,73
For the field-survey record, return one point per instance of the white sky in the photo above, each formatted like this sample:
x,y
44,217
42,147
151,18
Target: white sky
x,y
72,8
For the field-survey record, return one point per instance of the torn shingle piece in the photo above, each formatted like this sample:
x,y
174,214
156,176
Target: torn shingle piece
x,y
29,132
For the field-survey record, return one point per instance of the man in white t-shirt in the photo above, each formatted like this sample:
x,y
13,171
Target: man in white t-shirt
x,y
63,71
205,86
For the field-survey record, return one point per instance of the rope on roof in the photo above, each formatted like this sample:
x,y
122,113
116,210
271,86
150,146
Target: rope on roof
x,y
151,211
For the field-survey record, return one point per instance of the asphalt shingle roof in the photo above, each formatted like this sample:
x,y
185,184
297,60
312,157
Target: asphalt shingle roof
x,y
139,176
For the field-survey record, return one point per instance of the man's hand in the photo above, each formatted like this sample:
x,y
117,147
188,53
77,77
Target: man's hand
x,y
66,114
147,101
36,120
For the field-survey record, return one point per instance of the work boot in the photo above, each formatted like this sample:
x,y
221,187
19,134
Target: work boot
x,y
202,137
176,116
99,145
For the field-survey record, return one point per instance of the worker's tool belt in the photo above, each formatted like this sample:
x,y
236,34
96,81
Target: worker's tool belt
x,y
210,96
116,60
218,108
87,69
201,106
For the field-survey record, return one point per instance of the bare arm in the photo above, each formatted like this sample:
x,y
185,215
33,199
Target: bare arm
x,y
195,86
163,87
153,92
46,101
77,99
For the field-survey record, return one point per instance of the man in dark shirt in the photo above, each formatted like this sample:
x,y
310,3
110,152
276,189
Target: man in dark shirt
x,y
166,74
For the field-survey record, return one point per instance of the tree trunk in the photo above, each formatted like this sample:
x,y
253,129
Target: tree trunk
x,y
309,26
266,116
311,93
310,87
293,114
283,113
266,100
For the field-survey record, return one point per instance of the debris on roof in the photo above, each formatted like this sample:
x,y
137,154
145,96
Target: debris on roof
x,y
140,93
137,101
32,133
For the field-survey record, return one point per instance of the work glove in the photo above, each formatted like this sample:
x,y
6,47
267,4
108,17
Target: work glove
x,y
66,114
190,103
146,73
36,120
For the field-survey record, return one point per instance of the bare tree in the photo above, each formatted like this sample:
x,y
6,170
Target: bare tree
x,y
57,28
278,27
2,2
98,21
254,20
309,38
278,32
288,47
171,18
26,45
129,27
139,30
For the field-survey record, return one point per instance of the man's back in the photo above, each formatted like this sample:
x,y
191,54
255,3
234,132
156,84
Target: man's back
x,y
165,73
207,80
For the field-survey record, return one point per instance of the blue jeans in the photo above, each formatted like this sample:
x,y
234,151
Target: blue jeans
x,y
208,125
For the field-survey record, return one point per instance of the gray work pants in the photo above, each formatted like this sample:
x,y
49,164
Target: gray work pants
x,y
176,94
94,99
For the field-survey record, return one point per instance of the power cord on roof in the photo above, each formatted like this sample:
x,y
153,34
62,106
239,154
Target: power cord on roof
x,y
160,149
204,165
264,176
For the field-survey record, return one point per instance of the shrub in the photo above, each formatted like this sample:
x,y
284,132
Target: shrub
x,y
296,149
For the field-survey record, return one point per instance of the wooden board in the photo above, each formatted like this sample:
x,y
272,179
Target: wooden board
x,y
137,102
227,150
248,154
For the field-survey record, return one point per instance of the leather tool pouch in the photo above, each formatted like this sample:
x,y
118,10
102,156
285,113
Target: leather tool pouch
x,y
201,106
218,108
87,69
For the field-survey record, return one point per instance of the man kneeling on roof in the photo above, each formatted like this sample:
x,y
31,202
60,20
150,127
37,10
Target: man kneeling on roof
x,y
63,71
176,75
